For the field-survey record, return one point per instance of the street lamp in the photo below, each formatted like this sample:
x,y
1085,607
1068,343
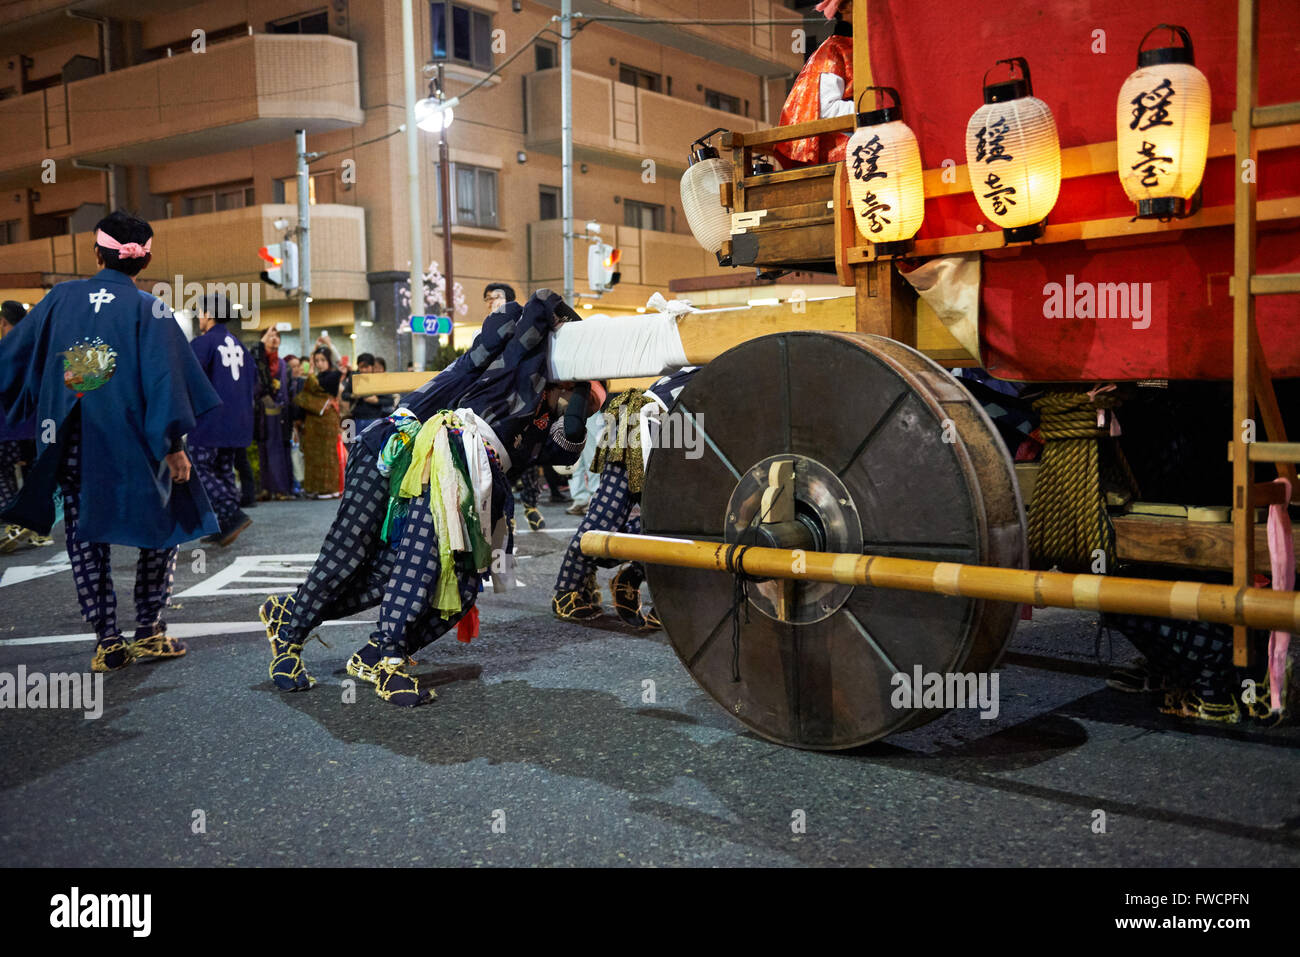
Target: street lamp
x,y
434,114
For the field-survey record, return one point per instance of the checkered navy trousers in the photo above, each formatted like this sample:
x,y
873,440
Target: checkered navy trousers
x,y
407,620
11,453
1194,655
216,470
92,561
354,564
356,569
528,487
610,511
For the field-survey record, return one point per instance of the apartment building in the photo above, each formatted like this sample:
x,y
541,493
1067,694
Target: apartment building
x,y
185,112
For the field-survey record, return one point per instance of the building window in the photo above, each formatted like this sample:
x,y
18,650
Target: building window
x,y
10,231
547,54
317,21
473,196
461,34
216,199
196,205
720,101
183,45
234,198
320,189
548,198
643,215
640,78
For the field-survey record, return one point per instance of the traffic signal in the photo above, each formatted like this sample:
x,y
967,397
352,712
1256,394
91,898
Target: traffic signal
x,y
273,274
290,267
602,267
281,265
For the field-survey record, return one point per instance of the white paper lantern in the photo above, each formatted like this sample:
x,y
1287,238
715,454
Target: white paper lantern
x,y
1163,128
885,177
709,220
1013,156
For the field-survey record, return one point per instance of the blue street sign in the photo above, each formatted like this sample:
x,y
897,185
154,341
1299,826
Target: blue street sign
x,y
431,325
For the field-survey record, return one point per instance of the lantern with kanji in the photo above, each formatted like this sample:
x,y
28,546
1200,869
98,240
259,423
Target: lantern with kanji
x,y
885,180
1013,156
1163,128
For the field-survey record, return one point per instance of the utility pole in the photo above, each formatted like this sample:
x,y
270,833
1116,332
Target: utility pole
x,y
304,246
413,180
444,177
566,135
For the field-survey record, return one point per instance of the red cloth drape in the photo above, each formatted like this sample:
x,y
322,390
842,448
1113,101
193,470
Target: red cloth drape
x,y
936,55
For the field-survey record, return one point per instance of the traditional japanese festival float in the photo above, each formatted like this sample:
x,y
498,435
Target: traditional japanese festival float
x,y
1092,202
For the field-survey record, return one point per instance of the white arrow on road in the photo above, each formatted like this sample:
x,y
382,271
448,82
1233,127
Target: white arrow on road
x,y
17,574
270,574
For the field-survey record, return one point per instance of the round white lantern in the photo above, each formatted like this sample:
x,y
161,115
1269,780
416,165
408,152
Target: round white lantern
x,y
1013,156
709,220
1163,128
885,178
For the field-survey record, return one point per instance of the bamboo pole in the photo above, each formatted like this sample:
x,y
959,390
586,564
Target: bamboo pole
x,y
1191,601
1244,333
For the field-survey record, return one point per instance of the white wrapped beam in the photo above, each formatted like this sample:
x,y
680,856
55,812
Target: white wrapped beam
x,y
652,344
616,347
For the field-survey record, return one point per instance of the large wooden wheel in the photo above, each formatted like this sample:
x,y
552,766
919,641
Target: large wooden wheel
x,y
892,457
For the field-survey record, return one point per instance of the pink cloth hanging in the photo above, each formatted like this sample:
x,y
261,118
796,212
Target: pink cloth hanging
x,y
1281,553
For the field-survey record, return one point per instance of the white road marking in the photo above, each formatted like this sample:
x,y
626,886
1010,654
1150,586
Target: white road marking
x,y
17,574
255,569
182,630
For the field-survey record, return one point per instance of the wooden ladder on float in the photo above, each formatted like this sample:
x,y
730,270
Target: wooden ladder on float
x,y
1252,382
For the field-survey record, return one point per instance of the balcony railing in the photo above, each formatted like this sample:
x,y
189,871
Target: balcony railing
x,y
619,124
243,92
649,258
217,247
755,47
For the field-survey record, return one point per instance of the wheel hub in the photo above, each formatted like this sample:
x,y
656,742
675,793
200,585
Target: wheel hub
x,y
826,519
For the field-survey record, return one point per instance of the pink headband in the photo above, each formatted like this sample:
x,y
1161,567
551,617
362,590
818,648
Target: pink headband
x,y
124,250
828,8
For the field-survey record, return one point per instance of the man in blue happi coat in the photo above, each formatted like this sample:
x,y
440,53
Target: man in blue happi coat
x,y
222,432
115,388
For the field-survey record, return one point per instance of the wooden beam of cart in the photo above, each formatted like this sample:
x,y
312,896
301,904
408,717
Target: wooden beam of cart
x,y
1190,601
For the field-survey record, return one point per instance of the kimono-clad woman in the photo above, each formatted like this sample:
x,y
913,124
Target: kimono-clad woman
x,y
823,89
272,418
320,427
296,373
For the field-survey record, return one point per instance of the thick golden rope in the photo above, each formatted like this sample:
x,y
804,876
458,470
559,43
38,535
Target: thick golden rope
x,y
1068,522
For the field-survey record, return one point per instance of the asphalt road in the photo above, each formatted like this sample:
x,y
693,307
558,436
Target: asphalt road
x,y
540,749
